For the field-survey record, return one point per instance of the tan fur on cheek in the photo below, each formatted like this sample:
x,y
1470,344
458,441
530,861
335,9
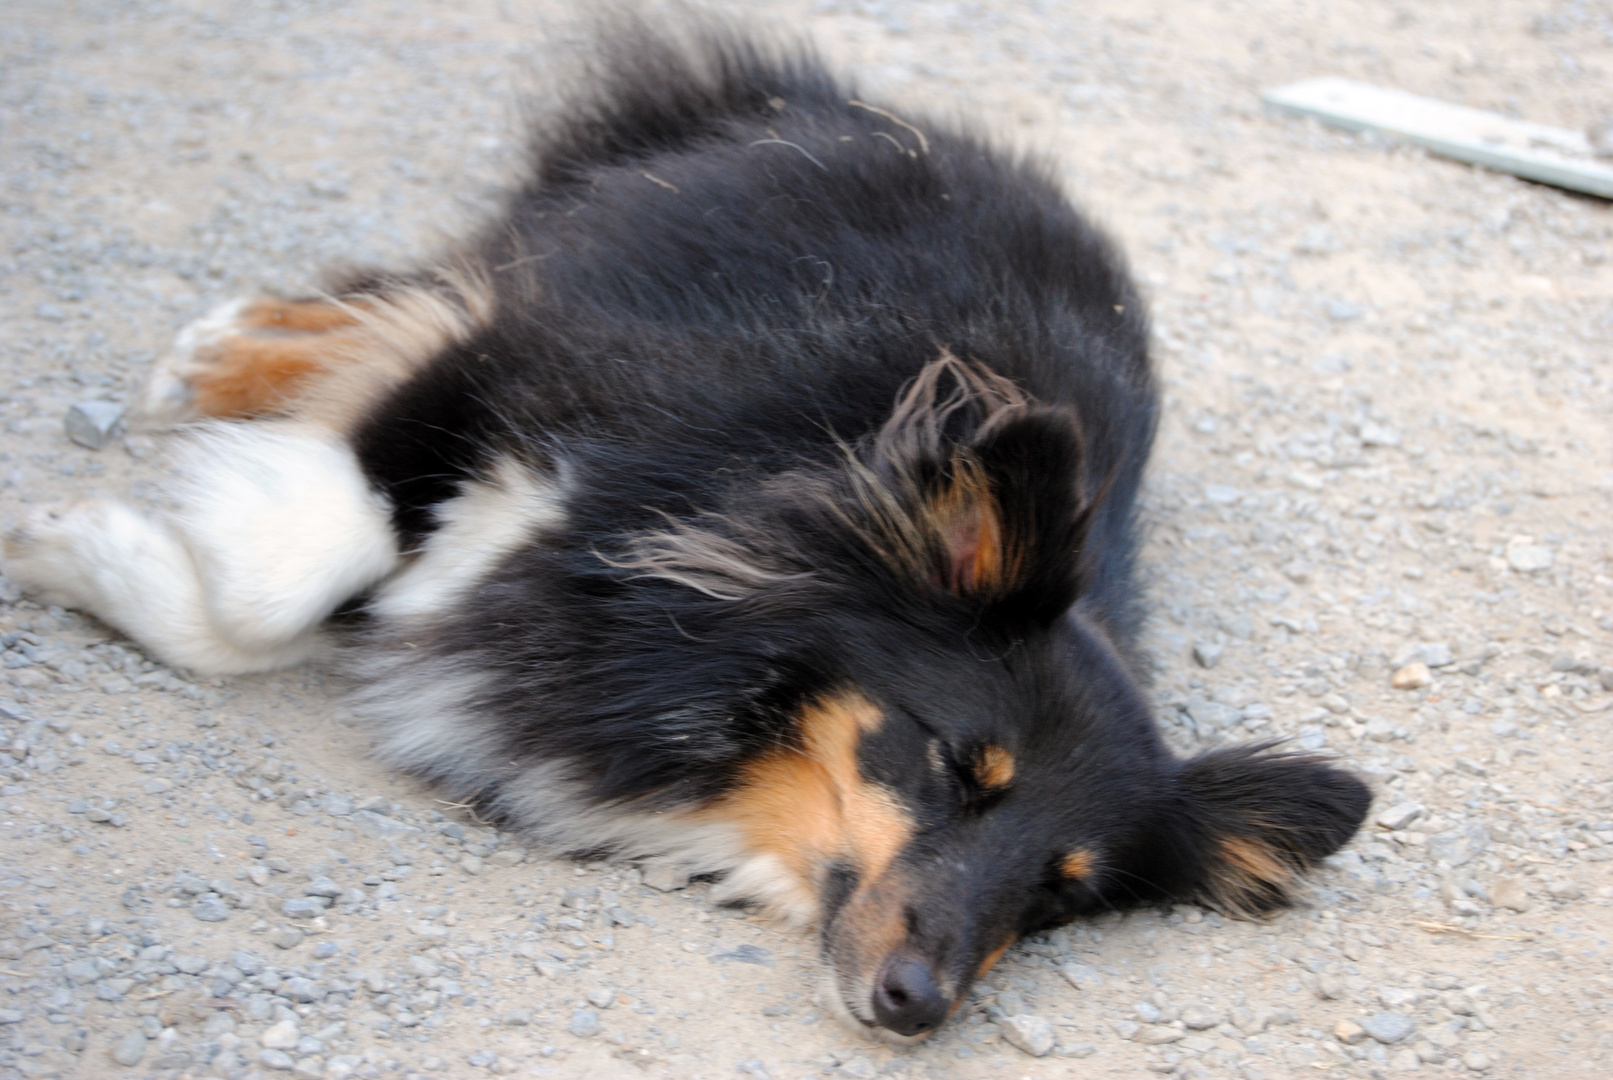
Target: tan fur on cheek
x,y
809,805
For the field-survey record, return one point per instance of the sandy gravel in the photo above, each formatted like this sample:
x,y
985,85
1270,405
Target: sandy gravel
x,y
1387,443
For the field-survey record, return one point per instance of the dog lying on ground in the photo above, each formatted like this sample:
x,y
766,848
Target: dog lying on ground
x,y
756,491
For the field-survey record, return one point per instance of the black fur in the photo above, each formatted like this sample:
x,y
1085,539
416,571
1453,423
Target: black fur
x,y
710,296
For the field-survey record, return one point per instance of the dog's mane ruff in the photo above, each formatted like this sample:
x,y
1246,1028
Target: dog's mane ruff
x,y
899,493
918,475
703,558
917,428
428,718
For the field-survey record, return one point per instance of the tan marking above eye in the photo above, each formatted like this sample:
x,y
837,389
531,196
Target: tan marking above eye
x,y
1077,864
995,768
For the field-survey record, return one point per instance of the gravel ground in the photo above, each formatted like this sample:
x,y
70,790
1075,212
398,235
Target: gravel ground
x,y
1379,526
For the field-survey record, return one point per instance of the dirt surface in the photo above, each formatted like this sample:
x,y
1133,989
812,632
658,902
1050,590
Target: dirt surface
x,y
1387,443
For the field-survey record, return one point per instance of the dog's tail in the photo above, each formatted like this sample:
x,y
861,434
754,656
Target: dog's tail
x,y
656,86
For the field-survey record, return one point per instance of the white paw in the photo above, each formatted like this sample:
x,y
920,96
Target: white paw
x,y
167,397
44,555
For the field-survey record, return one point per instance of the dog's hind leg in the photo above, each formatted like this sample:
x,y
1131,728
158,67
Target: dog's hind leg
x,y
324,358
247,358
274,526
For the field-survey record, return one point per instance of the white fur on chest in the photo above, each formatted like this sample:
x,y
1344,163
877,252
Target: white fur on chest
x,y
490,519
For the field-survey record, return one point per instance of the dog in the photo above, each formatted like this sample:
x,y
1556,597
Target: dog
x,y
756,491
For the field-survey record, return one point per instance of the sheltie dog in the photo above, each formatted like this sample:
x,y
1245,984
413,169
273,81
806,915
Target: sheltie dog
x,y
757,490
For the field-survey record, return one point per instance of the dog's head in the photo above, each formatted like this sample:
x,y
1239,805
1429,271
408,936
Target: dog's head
x,y
968,757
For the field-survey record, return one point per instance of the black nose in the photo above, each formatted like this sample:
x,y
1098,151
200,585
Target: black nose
x,y
906,999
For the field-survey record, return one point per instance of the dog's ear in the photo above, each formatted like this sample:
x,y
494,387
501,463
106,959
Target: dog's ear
x,y
1250,822
1033,468
982,492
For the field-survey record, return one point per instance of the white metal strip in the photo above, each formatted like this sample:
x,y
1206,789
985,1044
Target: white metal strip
x,y
1550,155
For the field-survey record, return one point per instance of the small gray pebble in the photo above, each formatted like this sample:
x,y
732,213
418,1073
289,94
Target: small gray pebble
x,y
377,827
1081,976
210,909
1436,654
1032,1034
305,907
128,1050
322,886
246,963
1460,846
1342,311
1208,653
302,990
81,971
277,1059
286,938
92,423
1389,1027
325,950
584,1023
1075,1050
1400,815
744,954
10,1016
336,805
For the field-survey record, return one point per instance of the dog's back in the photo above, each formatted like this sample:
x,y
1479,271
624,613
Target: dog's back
x,y
725,263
